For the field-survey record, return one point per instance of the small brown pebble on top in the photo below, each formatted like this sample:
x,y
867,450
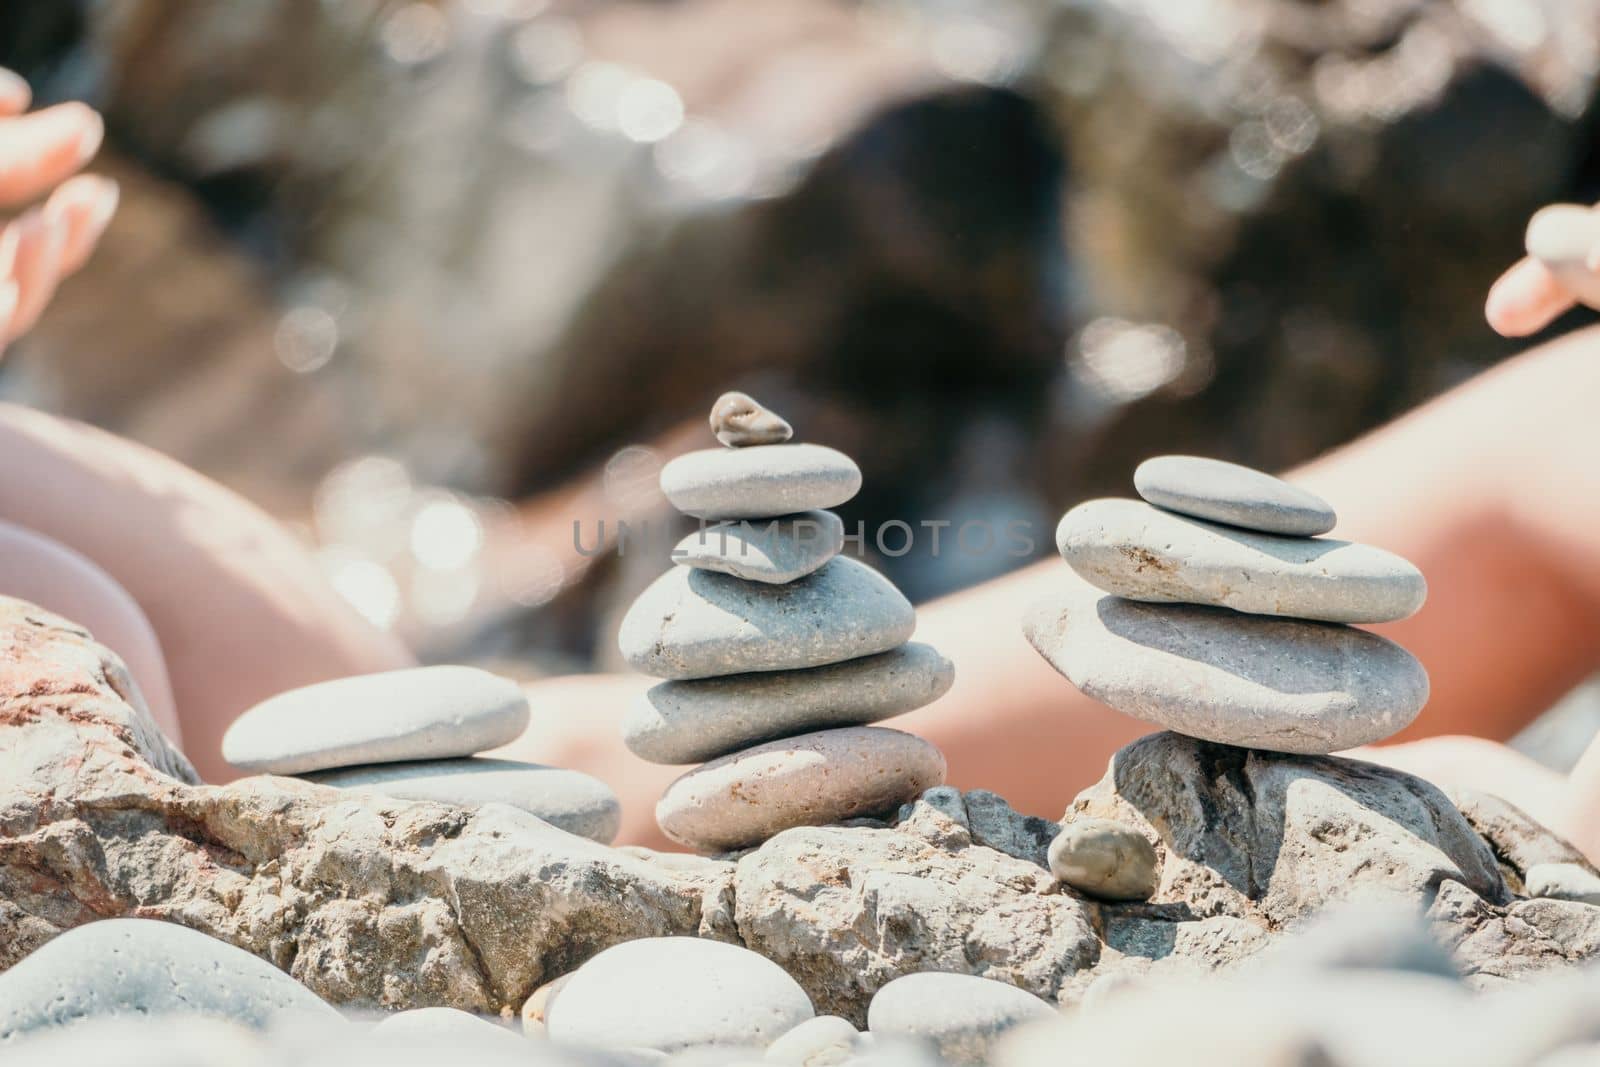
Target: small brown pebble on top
x,y
739,421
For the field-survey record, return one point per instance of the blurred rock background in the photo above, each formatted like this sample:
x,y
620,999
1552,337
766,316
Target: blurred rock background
x,y
430,280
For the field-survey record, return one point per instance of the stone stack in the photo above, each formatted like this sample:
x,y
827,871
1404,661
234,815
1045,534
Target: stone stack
x,y
777,650
412,735
1213,608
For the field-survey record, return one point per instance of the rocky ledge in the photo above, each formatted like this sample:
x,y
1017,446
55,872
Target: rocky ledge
x,y
374,903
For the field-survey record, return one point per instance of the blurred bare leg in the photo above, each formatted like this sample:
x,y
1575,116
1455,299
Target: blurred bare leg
x,y
58,579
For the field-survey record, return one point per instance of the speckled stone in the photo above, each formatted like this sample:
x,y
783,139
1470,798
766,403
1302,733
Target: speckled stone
x,y
1229,493
740,420
423,713
1562,237
962,1014
687,722
696,624
810,780
1133,550
140,967
1257,682
432,1025
673,993
1106,859
759,482
571,800
775,551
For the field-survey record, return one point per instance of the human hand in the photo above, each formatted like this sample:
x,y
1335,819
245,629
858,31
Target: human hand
x,y
40,156
1562,269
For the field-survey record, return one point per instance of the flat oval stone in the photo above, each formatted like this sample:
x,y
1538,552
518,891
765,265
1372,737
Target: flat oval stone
x,y
821,1042
421,713
1106,859
740,420
672,993
570,800
760,481
962,1014
688,722
1229,493
696,624
1561,237
1275,684
140,967
1130,549
810,780
437,1025
775,551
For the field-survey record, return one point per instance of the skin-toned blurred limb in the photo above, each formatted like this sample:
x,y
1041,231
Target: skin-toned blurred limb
x,y
240,608
58,579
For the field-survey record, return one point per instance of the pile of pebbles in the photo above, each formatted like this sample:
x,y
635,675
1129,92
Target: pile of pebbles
x,y
1213,607
777,650
414,735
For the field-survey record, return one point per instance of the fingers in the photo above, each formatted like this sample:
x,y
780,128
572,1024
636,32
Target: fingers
x,y
37,241
84,206
1525,300
15,96
41,150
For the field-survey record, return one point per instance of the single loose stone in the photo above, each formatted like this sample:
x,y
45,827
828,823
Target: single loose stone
x,y
576,802
696,624
1229,493
962,1014
739,421
1133,550
775,551
759,482
422,713
139,967
536,1009
1563,237
810,780
692,721
1106,859
821,1042
1563,881
672,993
1275,684
431,1025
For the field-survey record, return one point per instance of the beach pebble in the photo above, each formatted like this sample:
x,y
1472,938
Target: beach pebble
x,y
139,967
759,482
1133,550
775,551
739,420
687,722
421,713
148,1041
810,780
1562,236
696,624
962,1014
821,1042
1563,881
1229,493
446,1024
673,993
1105,859
536,1009
1257,682
571,800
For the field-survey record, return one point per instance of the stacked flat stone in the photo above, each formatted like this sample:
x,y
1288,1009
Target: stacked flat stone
x,y
777,651
1213,608
414,735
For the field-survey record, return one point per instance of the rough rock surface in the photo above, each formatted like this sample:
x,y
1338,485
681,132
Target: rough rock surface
x,y
399,904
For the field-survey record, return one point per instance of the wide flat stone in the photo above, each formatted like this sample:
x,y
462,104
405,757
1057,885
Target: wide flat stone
x,y
576,802
1561,237
760,481
422,713
697,624
1229,493
437,1026
1276,684
964,1015
692,721
810,780
775,551
1133,550
674,993
119,968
